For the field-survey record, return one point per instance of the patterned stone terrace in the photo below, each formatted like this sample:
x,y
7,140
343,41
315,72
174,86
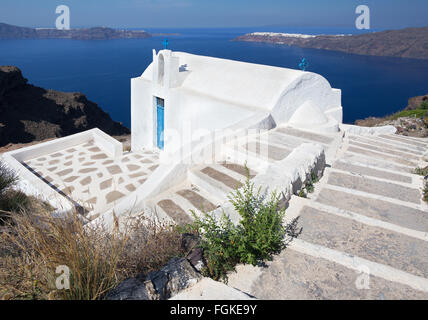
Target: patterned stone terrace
x,y
90,177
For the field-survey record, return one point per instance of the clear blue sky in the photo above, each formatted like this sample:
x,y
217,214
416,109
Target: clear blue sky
x,y
215,13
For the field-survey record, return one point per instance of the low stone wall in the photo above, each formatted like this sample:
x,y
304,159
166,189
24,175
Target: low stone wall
x,y
364,131
287,177
31,184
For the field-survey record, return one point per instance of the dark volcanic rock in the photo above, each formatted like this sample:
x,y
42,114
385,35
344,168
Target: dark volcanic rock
x,y
8,31
404,43
29,113
176,275
195,254
415,102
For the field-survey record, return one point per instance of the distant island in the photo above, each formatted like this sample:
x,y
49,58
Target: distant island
x,y
405,43
8,31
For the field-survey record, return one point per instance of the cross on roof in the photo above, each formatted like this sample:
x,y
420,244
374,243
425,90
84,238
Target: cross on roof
x,y
165,43
303,64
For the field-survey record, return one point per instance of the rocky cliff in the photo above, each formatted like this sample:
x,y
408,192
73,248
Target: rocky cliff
x,y
8,31
412,121
29,113
404,43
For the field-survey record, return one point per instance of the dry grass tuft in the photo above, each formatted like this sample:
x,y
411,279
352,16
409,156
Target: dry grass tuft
x,y
34,244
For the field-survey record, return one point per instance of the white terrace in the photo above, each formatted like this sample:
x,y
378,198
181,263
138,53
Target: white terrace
x,y
88,171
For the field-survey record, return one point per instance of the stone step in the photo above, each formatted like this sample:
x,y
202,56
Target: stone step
x,y
405,155
210,180
385,211
404,140
228,179
365,160
198,201
366,171
295,275
377,187
386,144
242,156
306,135
174,211
269,151
240,169
371,243
281,140
381,156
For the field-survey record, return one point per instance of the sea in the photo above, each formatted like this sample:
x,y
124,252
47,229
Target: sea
x,y
102,69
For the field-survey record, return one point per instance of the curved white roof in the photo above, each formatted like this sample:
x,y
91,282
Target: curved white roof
x,y
243,83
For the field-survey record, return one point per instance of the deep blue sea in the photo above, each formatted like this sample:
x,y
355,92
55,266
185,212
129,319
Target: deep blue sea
x,y
371,86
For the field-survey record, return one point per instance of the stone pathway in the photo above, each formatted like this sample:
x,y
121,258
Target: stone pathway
x,y
364,230
208,186
91,178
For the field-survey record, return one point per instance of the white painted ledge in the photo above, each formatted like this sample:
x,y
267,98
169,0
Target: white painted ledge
x,y
32,185
367,131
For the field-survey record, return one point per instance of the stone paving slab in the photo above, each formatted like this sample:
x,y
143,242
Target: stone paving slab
x,y
305,135
281,139
378,163
404,140
381,188
382,149
371,172
222,177
263,150
378,209
293,275
239,169
174,211
382,156
386,144
197,200
371,243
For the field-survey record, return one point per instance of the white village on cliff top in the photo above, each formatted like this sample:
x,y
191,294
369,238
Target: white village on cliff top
x,y
197,122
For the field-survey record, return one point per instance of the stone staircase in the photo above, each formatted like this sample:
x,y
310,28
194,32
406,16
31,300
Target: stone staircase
x,y
207,186
364,229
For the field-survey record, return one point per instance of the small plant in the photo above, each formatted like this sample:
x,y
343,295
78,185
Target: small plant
x,y
10,199
259,234
302,193
424,104
309,186
421,171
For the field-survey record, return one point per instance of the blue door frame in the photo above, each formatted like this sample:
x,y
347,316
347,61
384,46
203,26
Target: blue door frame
x,y
160,107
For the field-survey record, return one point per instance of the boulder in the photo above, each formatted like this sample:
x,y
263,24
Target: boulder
x,y
130,289
178,274
195,255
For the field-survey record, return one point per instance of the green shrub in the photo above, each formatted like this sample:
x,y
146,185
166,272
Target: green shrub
x,y
7,178
259,234
424,104
10,199
309,186
421,171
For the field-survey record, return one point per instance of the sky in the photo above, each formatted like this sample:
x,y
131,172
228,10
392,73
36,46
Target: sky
x,y
385,14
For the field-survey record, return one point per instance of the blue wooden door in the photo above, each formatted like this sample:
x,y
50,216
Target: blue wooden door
x,y
160,122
